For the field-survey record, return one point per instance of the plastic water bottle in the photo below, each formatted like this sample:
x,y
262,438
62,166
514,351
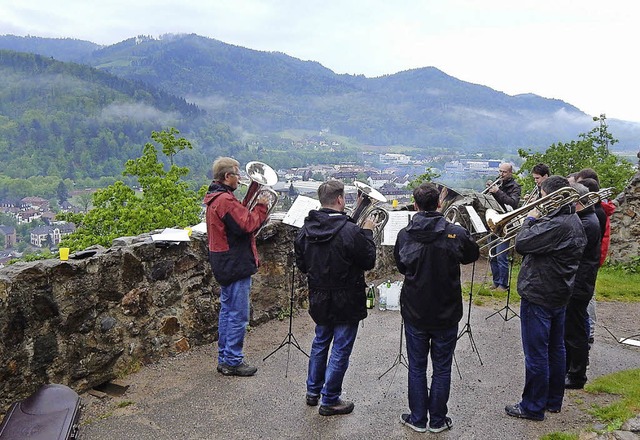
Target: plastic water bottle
x,y
382,301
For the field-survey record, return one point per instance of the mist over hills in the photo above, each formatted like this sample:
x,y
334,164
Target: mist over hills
x,y
208,86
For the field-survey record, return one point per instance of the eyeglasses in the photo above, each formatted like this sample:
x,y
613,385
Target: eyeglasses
x,y
234,174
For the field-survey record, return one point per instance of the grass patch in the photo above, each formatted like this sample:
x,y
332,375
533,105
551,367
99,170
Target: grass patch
x,y
616,283
124,404
559,436
625,384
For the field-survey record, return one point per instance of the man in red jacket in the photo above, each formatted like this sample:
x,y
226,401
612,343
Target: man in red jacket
x,y
234,258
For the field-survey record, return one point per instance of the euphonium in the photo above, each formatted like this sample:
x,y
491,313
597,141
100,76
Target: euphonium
x,y
365,208
262,177
506,226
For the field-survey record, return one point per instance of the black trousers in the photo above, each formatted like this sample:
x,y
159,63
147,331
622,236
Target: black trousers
x,y
576,340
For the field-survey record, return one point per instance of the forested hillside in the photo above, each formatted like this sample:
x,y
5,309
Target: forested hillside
x,y
265,93
74,121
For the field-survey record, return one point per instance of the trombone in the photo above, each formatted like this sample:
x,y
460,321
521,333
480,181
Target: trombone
x,y
497,182
506,226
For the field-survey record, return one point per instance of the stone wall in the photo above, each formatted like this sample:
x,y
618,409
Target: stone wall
x,y
625,224
85,321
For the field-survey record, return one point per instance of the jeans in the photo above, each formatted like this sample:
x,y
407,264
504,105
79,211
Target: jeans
x,y
500,266
542,331
576,340
232,321
591,310
326,378
442,344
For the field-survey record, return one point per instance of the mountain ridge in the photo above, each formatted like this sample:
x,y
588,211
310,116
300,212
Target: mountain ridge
x,y
259,93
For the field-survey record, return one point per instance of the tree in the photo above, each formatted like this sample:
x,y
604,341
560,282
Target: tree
x,y
591,150
428,176
166,199
84,200
63,193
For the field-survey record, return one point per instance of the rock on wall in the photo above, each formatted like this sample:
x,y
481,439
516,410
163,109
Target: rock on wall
x,y
83,322
625,224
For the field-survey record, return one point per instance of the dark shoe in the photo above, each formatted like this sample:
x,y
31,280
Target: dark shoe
x,y
516,411
571,385
448,424
237,370
404,419
554,410
341,407
312,400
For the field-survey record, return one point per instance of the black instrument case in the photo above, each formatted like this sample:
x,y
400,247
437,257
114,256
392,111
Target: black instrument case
x,y
51,413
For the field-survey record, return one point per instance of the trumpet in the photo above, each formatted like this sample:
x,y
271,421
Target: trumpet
x,y
262,177
365,208
497,182
506,226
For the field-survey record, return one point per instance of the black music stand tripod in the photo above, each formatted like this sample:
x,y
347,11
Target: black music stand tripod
x,y
290,339
506,309
467,326
400,358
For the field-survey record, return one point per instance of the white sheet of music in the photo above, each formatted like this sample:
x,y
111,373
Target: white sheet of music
x,y
476,221
299,210
397,221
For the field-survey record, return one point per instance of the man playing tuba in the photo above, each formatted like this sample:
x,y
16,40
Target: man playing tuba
x,y
234,258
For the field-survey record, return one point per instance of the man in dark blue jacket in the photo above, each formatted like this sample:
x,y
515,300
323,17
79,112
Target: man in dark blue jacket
x,y
334,252
576,334
552,247
428,252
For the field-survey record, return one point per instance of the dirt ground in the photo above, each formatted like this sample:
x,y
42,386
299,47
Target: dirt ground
x,y
183,396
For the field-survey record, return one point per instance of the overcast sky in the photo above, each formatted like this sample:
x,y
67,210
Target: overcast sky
x,y
583,52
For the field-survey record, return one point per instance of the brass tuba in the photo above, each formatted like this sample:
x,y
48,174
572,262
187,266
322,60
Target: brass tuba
x,y
506,226
262,177
365,208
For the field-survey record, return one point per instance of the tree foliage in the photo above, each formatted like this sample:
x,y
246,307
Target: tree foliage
x,y
166,199
591,150
429,175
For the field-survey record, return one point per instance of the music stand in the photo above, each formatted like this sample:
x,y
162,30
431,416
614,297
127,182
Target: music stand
x,y
290,339
400,358
467,326
506,309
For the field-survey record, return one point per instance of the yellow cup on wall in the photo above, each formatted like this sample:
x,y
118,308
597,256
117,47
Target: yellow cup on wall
x,y
64,254
189,231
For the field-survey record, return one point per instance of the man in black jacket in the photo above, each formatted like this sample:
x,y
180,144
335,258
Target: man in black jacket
x,y
428,252
576,335
552,247
508,195
334,252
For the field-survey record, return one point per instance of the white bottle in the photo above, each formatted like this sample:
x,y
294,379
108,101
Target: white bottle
x,y
382,300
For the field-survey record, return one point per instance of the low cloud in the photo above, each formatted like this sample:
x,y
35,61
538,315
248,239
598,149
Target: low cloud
x,y
137,112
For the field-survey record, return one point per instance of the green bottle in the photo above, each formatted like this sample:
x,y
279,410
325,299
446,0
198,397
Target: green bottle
x,y
371,298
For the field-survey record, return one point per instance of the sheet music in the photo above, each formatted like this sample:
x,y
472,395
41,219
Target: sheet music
x,y
397,221
171,234
476,221
299,210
